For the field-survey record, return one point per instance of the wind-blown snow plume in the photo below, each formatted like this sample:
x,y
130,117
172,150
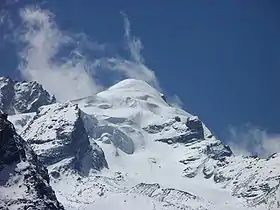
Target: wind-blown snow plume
x,y
134,44
175,101
72,76
43,39
135,66
250,140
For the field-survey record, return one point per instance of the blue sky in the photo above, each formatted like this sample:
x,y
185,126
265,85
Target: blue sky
x,y
221,58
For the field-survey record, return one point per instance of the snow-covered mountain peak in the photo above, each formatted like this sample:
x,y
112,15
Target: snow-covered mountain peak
x,y
127,146
148,141
22,97
133,93
134,85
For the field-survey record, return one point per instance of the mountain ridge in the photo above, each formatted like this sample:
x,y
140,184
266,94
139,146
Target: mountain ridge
x,y
24,181
152,153
22,97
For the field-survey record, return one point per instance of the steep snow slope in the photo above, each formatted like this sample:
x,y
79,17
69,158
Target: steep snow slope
x,y
21,120
147,141
57,135
22,97
24,181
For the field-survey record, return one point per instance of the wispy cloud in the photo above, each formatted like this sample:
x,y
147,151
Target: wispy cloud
x,y
175,101
250,140
133,43
58,59
67,79
135,66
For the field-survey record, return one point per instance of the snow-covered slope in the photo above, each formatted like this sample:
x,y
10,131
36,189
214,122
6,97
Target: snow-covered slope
x,y
57,135
22,97
140,152
148,141
24,181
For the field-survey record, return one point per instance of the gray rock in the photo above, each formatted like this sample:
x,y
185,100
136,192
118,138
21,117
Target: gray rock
x,y
171,197
24,180
218,151
196,127
22,97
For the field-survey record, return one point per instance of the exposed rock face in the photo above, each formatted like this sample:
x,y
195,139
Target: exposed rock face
x,y
22,97
57,133
9,151
218,151
192,130
6,94
173,197
253,179
24,181
196,127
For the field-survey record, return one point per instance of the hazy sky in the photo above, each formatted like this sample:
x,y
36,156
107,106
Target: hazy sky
x,y
221,59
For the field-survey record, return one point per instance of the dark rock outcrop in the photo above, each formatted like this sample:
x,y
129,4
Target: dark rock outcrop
x,y
196,127
218,151
191,131
22,97
157,128
24,180
170,196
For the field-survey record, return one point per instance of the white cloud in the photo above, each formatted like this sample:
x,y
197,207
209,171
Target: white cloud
x,y
129,69
70,74
135,67
133,43
175,101
67,80
250,140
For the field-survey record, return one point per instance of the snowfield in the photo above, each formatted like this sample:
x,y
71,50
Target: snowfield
x,y
127,148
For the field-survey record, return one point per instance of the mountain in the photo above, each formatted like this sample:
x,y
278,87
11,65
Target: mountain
x,y
58,136
127,148
22,97
24,180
